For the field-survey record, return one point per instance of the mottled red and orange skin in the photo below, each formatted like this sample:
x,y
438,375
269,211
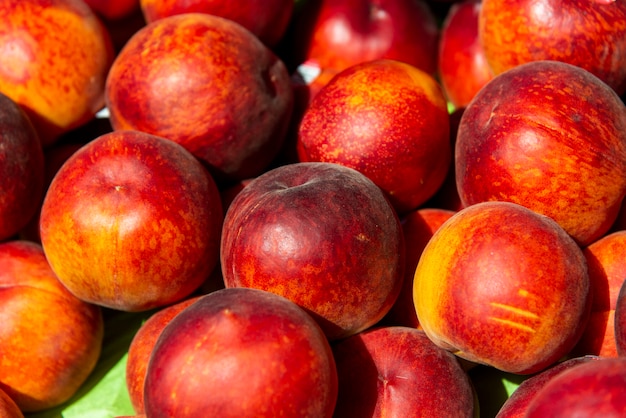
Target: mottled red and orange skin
x,y
55,58
462,65
549,136
21,169
398,372
620,322
240,353
50,340
208,84
606,261
132,222
515,406
338,34
418,228
587,33
501,285
321,235
386,119
594,388
266,19
141,347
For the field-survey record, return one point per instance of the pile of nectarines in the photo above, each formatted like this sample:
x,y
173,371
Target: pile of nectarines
x,y
312,208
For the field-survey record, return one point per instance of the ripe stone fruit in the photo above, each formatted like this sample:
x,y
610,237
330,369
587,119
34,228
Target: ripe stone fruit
x,y
386,119
323,236
588,34
418,228
461,61
501,285
338,34
50,340
55,59
398,371
595,388
21,169
141,348
549,136
606,261
131,221
620,321
8,407
267,19
241,353
517,404
114,9
213,87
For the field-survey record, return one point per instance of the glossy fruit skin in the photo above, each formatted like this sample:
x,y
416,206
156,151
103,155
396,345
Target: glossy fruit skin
x,y
56,55
241,353
595,388
266,19
386,119
132,222
534,136
397,371
50,340
588,34
21,169
322,235
213,88
501,285
462,65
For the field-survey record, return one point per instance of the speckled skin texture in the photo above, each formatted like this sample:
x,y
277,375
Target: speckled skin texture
x,y
592,389
606,260
208,84
323,236
266,19
399,372
501,285
549,136
389,121
50,341
515,406
241,353
132,222
587,33
55,58
21,169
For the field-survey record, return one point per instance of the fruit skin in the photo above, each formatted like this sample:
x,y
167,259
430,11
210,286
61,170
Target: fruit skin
x,y
588,34
8,407
340,33
55,59
113,9
515,406
596,388
323,236
241,353
501,285
132,222
213,87
534,136
141,347
50,340
267,19
398,371
607,270
418,228
21,169
620,321
386,119
462,65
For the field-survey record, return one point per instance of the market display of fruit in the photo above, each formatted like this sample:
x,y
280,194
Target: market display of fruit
x,y
312,208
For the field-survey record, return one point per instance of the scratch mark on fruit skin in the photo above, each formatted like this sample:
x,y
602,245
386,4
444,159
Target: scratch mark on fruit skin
x,y
513,309
513,324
